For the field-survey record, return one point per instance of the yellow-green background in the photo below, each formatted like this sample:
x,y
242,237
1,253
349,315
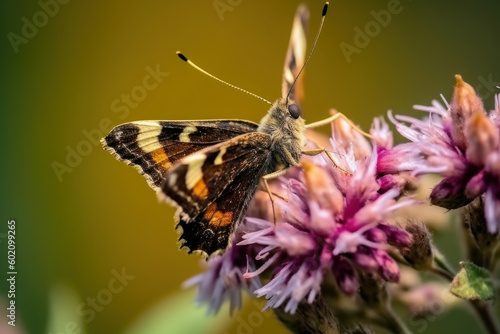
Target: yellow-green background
x,y
103,216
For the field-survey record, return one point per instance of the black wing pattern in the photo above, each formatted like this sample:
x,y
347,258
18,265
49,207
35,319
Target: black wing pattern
x,y
154,146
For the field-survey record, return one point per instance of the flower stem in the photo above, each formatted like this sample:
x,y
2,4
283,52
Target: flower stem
x,y
484,313
442,272
442,265
392,321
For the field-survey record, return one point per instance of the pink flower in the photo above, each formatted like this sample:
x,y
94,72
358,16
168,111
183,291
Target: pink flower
x,y
461,143
332,223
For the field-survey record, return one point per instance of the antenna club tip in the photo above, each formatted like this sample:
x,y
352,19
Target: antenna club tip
x,y
181,56
325,8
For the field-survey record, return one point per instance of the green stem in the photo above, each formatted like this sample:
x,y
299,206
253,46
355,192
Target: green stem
x,y
484,313
442,272
493,258
392,321
441,262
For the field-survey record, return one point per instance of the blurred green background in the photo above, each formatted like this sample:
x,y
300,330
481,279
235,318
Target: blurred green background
x,y
78,229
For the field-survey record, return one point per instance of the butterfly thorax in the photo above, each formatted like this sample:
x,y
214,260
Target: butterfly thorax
x,y
287,135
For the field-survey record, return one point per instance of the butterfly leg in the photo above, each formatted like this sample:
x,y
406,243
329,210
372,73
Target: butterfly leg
x,y
316,151
333,118
266,184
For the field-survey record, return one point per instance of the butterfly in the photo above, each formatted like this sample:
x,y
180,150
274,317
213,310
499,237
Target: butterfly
x,y
211,169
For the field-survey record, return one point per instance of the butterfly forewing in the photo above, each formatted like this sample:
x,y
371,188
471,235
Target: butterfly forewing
x,y
212,188
153,147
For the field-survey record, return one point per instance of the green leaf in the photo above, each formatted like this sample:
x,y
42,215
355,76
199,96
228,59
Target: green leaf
x,y
179,314
472,283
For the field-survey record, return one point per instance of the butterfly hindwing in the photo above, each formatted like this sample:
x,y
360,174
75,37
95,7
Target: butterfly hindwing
x,y
153,147
212,229
212,188
295,56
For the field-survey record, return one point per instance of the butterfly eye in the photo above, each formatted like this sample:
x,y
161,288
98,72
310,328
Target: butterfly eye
x,y
294,111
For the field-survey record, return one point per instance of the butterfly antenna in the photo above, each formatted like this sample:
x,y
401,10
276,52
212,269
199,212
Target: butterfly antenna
x,y
323,14
220,80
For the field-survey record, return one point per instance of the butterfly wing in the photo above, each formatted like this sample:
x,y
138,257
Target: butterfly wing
x,y
295,56
212,188
153,147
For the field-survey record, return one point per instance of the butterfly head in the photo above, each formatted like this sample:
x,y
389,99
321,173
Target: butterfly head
x,y
286,127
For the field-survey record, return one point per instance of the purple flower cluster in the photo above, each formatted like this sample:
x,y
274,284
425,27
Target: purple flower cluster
x,y
461,143
223,280
329,224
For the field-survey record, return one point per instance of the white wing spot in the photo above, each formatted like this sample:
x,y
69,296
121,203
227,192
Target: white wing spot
x,y
172,180
218,159
147,139
184,136
194,172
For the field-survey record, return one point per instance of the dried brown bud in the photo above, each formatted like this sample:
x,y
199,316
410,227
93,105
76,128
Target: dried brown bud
x,y
475,221
464,104
419,256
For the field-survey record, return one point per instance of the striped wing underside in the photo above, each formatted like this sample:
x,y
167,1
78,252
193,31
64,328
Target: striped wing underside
x,y
153,147
211,189
295,56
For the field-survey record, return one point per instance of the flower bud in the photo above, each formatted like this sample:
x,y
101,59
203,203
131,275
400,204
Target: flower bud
x,y
345,276
482,138
396,236
346,137
405,183
388,268
373,290
476,185
322,189
364,260
419,255
450,193
465,102
493,163
475,221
